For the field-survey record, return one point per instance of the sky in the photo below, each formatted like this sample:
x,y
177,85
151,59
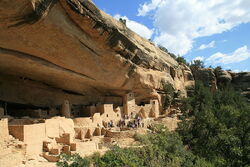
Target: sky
x,y
214,31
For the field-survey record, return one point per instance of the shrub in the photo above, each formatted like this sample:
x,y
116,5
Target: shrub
x,y
196,64
163,48
159,148
182,60
178,58
74,160
123,21
120,157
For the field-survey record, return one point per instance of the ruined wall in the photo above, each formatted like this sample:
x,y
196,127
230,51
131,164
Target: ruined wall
x,y
97,120
52,128
17,131
33,135
4,132
82,122
152,109
155,109
109,113
144,110
85,127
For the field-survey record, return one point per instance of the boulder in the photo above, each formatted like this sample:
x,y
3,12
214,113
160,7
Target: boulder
x,y
223,77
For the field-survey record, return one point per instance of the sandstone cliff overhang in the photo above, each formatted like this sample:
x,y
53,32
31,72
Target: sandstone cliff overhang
x,y
52,50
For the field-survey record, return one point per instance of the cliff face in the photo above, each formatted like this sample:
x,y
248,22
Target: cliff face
x,y
217,77
51,50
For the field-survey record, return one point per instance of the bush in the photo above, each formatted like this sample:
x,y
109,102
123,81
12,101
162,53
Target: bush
x,y
74,160
178,58
120,157
164,148
163,48
159,148
182,60
196,64
123,21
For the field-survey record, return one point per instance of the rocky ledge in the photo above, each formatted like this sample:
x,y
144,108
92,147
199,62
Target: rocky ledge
x,y
215,78
51,50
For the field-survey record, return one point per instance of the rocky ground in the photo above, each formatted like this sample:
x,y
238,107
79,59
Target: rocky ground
x,y
12,153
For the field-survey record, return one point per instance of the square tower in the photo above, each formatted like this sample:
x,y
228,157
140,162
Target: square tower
x,y
129,104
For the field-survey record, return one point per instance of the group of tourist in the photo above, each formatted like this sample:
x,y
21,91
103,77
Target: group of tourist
x,y
128,121
135,123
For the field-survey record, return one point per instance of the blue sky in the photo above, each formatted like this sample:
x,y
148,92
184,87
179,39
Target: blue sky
x,y
215,31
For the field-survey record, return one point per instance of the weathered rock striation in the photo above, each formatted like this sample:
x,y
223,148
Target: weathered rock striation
x,y
52,50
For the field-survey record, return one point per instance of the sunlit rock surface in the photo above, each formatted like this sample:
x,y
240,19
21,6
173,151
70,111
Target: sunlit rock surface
x,y
51,50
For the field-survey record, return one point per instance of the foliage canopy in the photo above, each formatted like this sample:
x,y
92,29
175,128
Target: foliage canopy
x,y
218,127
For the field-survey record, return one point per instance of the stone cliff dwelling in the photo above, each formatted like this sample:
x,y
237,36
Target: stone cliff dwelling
x,y
75,80
53,131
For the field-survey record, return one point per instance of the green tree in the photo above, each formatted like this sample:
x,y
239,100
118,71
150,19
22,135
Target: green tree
x,y
218,128
163,48
180,59
196,64
168,95
123,21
